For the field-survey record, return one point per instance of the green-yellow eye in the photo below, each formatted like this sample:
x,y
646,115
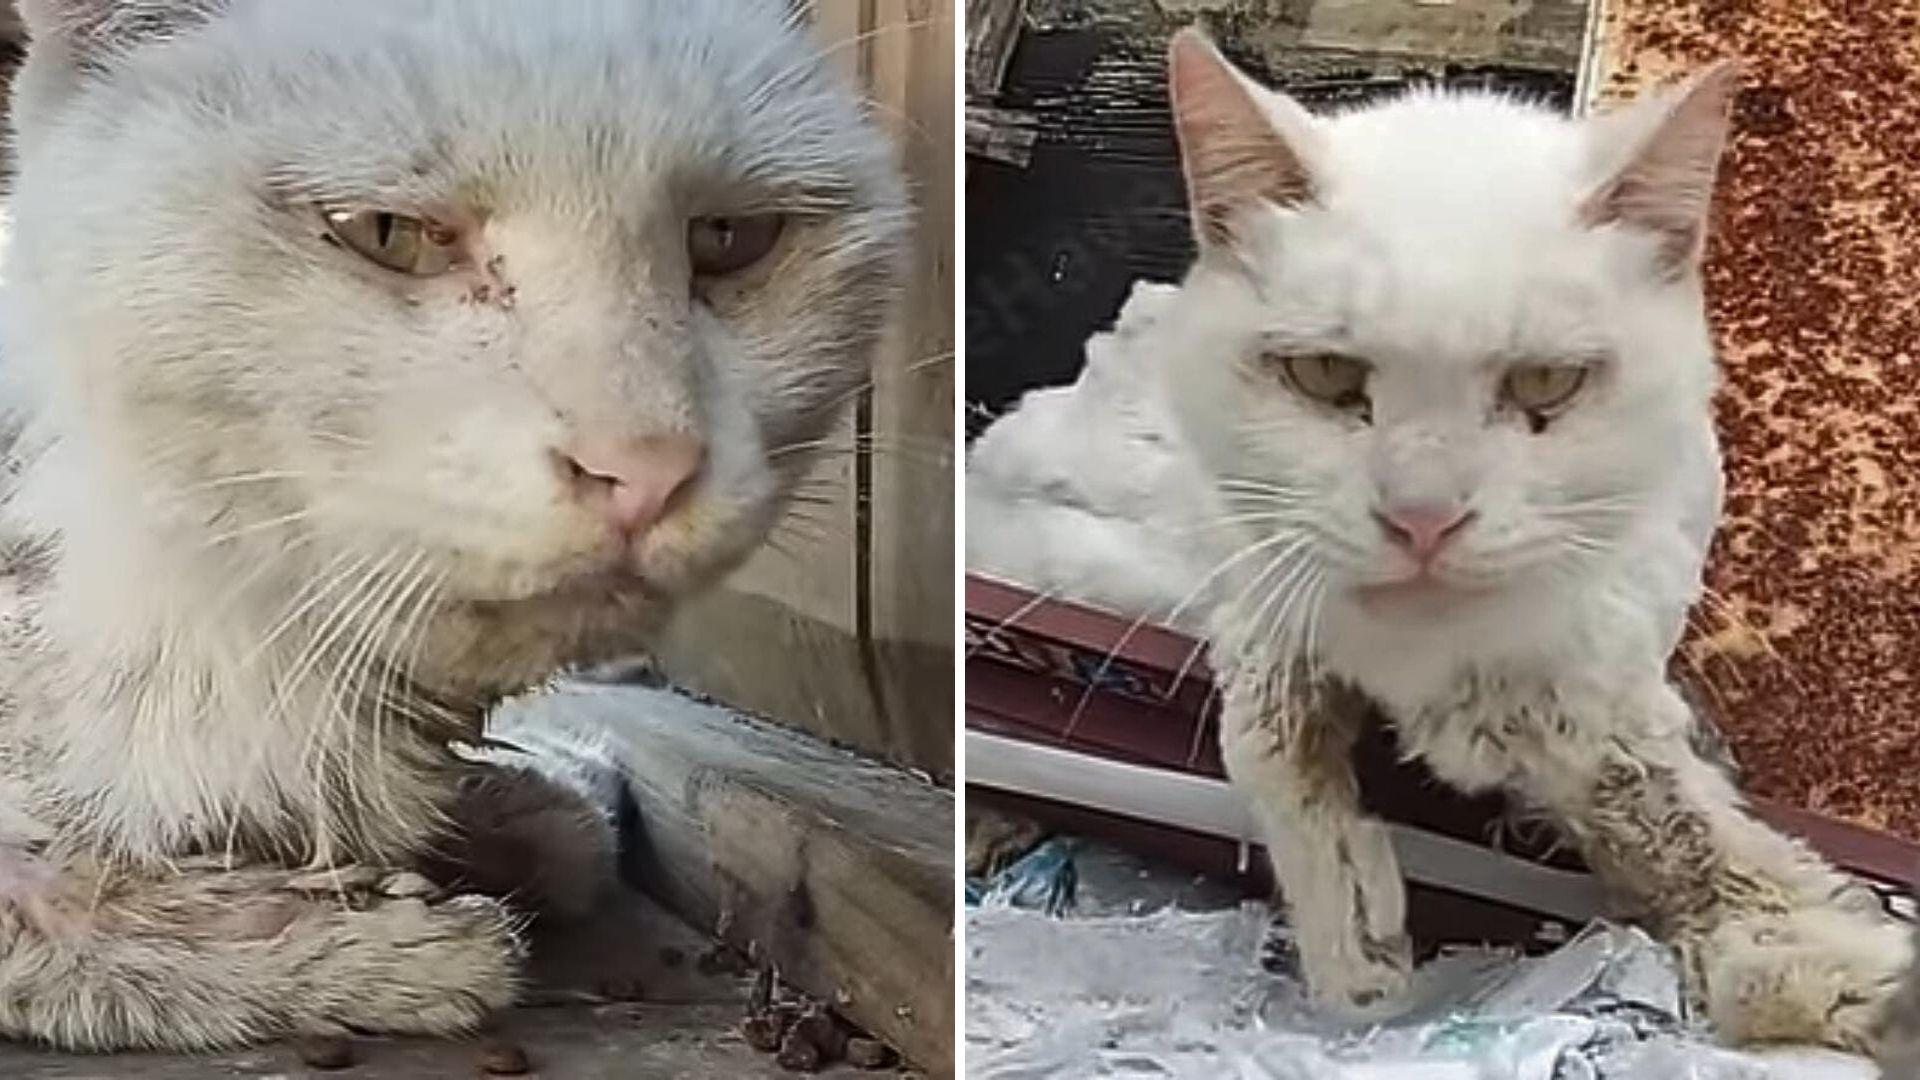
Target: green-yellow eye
x,y
1542,389
398,242
1338,382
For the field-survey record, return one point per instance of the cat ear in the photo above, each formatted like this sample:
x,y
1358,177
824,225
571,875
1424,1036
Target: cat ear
x,y
1659,158
1240,145
88,34
68,39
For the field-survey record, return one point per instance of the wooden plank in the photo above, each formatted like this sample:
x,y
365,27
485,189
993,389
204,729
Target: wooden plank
x,y
781,636
837,869
910,454
846,627
993,28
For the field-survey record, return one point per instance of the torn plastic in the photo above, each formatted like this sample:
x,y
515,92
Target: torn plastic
x,y
1045,879
1183,995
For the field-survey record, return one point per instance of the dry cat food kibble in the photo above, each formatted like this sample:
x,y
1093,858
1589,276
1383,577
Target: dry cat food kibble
x,y
869,1054
326,1054
502,1058
622,989
824,1031
805,1036
798,1053
763,1032
721,960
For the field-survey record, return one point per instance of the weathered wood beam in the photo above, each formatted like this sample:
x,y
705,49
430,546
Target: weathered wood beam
x,y
834,868
993,28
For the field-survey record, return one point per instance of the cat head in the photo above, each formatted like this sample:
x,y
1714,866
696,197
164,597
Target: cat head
x,y
1452,343
538,308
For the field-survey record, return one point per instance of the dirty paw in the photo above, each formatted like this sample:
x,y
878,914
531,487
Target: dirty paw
x,y
1819,975
522,833
1368,981
404,964
364,883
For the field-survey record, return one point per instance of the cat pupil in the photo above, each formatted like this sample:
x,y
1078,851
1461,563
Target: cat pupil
x,y
383,228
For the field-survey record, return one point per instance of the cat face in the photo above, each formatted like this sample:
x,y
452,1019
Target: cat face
x,y
543,303
1452,345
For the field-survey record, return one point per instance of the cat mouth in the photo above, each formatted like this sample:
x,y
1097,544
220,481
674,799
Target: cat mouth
x,y
1423,591
602,586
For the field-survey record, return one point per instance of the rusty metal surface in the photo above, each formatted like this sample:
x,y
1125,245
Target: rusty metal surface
x,y
1812,657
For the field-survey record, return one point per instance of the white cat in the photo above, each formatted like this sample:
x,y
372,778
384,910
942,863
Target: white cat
x,y
373,359
1083,492
1446,363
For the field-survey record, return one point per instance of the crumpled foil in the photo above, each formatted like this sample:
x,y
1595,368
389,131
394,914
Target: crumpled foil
x,y
1178,995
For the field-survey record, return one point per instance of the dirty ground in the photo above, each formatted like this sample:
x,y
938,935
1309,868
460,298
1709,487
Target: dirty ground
x,y
634,992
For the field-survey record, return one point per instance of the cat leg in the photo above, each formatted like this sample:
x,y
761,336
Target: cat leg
x,y
209,957
1335,865
1900,1030
535,824
997,840
1777,945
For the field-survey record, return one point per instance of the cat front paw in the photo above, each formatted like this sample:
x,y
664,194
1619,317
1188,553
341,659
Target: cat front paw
x,y
523,833
1365,979
406,965
1815,975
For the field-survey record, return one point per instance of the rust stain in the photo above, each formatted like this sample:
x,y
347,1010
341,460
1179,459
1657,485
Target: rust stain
x,y
1814,281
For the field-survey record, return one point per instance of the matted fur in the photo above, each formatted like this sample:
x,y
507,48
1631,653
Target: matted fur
x,y
282,523
1442,239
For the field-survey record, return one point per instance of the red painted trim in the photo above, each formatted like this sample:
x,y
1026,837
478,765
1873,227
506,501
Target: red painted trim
x,y
1031,661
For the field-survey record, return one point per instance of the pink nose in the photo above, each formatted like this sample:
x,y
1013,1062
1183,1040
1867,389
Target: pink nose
x,y
1423,528
632,483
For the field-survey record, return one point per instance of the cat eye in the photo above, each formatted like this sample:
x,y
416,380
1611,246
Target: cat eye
x,y
718,246
1541,390
1336,381
407,245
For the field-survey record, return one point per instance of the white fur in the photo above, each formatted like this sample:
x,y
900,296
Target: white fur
x,y
1441,238
1448,237
1081,491
287,521
224,410
1440,266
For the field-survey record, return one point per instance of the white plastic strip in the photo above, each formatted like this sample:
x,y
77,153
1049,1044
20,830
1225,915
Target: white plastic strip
x,y
1205,805
1590,72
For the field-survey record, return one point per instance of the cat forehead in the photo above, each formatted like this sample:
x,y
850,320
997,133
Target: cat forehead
x,y
1442,214
1333,281
409,95
1436,161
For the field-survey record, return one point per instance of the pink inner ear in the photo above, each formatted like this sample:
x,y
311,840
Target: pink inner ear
x,y
1666,188
1233,154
